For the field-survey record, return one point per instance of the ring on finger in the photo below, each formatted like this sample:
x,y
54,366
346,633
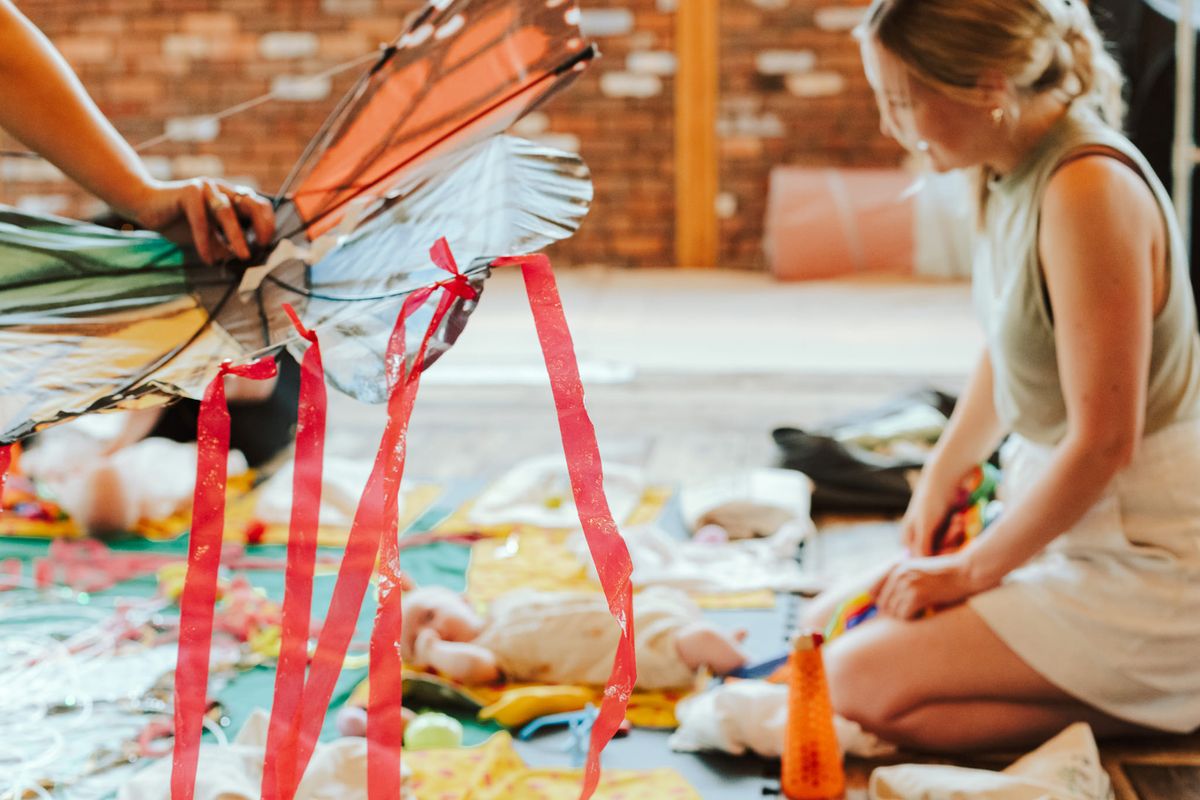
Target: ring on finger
x,y
219,202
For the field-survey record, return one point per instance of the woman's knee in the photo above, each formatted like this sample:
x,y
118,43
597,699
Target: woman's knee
x,y
866,683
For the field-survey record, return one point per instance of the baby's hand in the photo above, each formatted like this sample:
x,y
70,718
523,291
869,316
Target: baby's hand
x,y
427,639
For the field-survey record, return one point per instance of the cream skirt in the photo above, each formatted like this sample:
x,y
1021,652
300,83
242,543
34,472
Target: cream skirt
x,y
1110,610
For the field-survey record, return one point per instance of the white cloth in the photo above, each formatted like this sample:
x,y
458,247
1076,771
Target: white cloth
x,y
571,637
338,770
157,476
738,716
342,483
749,503
1110,610
538,492
746,565
1065,768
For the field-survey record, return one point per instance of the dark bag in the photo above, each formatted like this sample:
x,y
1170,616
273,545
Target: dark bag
x,y
849,477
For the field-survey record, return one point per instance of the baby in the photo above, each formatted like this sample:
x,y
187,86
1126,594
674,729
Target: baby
x,y
562,637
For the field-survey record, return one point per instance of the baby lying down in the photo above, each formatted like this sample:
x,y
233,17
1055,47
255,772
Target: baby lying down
x,y
562,637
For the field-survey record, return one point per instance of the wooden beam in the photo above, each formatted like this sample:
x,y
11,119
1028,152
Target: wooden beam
x,y
697,86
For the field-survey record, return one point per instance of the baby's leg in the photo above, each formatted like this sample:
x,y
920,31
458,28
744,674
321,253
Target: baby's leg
x,y
700,644
99,500
461,661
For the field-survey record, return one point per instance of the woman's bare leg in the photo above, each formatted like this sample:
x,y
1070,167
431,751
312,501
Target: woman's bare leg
x,y
947,683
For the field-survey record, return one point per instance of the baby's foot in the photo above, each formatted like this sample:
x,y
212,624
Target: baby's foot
x,y
702,645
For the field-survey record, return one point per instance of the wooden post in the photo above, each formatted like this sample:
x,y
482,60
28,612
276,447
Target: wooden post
x,y
696,89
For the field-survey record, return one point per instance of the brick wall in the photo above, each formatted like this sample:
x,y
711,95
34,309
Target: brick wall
x,y
791,91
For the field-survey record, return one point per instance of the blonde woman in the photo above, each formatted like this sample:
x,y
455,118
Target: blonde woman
x,y
1083,601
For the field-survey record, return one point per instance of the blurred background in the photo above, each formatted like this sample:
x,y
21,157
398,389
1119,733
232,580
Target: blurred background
x,y
780,78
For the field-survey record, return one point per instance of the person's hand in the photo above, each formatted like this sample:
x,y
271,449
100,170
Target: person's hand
x,y
136,425
925,514
916,585
210,214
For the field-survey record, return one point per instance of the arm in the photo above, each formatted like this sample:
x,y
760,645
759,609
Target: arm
x,y
136,426
971,435
461,661
44,105
1100,244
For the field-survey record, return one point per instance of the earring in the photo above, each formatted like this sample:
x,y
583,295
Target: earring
x,y
997,115
923,146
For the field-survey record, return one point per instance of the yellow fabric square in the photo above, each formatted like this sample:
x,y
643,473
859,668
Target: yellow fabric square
x,y
541,560
416,501
494,771
653,499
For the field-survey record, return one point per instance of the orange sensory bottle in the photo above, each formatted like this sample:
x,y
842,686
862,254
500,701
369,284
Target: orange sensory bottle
x,y
812,760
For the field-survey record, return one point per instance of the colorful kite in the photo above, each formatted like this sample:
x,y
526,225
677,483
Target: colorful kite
x,y
93,319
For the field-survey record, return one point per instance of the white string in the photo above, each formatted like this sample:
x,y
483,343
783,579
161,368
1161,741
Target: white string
x,y
237,108
36,672
52,651
245,105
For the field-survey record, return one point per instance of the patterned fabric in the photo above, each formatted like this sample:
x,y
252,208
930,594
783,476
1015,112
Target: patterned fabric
x,y
494,771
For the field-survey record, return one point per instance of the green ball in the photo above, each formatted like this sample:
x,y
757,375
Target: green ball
x,y
433,730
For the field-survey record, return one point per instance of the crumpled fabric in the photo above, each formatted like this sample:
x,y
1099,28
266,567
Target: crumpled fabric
x,y
538,492
342,482
747,504
1065,768
748,565
737,716
338,770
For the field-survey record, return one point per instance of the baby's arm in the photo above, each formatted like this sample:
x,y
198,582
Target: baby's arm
x,y
461,661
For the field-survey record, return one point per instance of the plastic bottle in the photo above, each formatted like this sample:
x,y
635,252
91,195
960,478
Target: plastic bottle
x,y
812,760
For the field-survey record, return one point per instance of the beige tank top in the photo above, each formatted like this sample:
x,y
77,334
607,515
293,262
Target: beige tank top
x,y
1010,297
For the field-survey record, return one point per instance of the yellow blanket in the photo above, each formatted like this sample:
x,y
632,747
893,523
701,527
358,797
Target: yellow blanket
x,y
494,771
649,507
541,560
647,709
240,517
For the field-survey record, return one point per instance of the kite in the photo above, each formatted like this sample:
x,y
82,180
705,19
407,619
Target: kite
x,y
93,319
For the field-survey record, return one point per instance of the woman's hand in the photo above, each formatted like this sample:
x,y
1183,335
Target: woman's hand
x,y
208,213
44,105
916,585
925,514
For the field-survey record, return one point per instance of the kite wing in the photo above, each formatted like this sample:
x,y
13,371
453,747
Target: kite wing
x,y
93,319
464,70
502,196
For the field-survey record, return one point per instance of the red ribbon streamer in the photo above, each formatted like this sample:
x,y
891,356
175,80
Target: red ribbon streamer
x,y
301,704
385,698
374,520
200,586
607,548
301,558
5,463
384,717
